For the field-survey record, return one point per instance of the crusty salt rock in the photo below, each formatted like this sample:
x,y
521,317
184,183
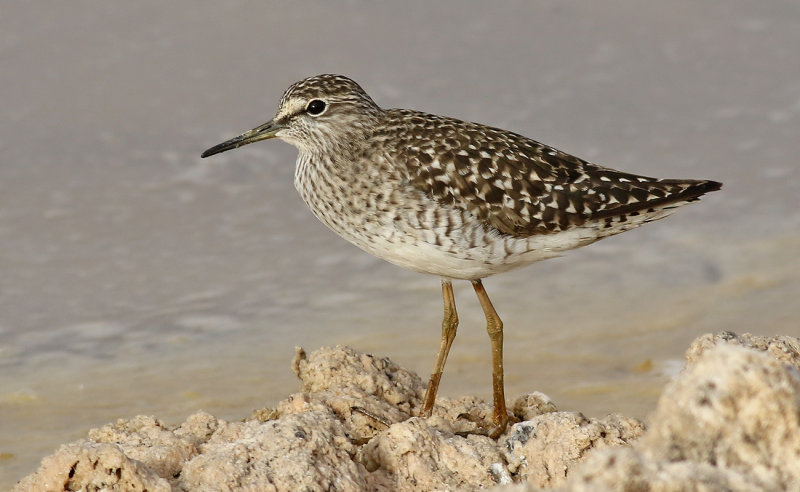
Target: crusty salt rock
x,y
367,393
734,408
783,348
125,455
198,428
413,455
87,466
626,469
342,367
148,441
730,421
544,450
464,415
347,429
304,451
531,405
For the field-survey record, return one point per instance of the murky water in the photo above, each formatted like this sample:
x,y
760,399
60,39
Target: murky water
x,y
137,278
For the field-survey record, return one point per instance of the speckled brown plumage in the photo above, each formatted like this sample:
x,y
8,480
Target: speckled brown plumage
x,y
519,186
447,197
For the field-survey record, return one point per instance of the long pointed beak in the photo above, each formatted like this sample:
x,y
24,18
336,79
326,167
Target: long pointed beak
x,y
263,132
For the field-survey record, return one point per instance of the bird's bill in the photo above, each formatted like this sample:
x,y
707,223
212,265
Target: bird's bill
x,y
263,132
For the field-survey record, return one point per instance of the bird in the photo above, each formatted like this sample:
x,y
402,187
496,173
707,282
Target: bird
x,y
451,198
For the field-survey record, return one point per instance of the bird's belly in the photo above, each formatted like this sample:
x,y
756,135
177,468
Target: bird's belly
x,y
468,264
470,259
456,248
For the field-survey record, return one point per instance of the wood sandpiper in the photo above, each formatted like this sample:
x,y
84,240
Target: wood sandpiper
x,y
451,198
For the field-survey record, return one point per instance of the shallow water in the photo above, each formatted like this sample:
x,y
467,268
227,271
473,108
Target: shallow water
x,y
137,278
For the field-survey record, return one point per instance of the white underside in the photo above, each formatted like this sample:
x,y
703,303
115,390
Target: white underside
x,y
497,255
483,261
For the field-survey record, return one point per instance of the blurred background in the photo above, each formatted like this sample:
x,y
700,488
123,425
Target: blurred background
x,y
137,278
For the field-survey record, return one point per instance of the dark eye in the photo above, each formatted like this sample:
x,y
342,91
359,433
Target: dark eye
x,y
315,107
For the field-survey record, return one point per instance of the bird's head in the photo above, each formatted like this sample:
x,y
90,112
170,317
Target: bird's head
x,y
317,114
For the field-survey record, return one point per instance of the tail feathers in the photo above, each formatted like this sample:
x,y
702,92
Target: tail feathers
x,y
621,218
664,194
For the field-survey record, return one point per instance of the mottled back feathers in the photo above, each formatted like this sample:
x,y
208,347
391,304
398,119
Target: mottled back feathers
x,y
519,186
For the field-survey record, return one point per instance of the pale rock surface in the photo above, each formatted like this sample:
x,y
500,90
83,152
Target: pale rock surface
x,y
413,455
136,454
543,451
734,408
730,421
148,441
528,406
354,386
783,348
304,451
628,470
85,465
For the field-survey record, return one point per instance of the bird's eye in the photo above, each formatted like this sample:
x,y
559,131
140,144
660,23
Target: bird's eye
x,y
315,107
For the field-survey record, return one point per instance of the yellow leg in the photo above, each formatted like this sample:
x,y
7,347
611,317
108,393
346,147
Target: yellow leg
x,y
494,326
449,325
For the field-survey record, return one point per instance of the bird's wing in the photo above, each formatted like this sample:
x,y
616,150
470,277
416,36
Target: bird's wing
x,y
521,187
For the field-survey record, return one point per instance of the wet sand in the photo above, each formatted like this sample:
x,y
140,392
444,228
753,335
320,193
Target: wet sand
x,y
136,278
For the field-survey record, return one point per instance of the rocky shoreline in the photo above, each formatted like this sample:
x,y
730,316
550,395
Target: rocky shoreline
x,y
730,421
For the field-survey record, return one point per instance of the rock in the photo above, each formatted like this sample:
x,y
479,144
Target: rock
x,y
543,450
783,348
626,470
304,451
333,368
734,408
526,407
136,454
413,455
364,391
730,421
148,441
92,466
